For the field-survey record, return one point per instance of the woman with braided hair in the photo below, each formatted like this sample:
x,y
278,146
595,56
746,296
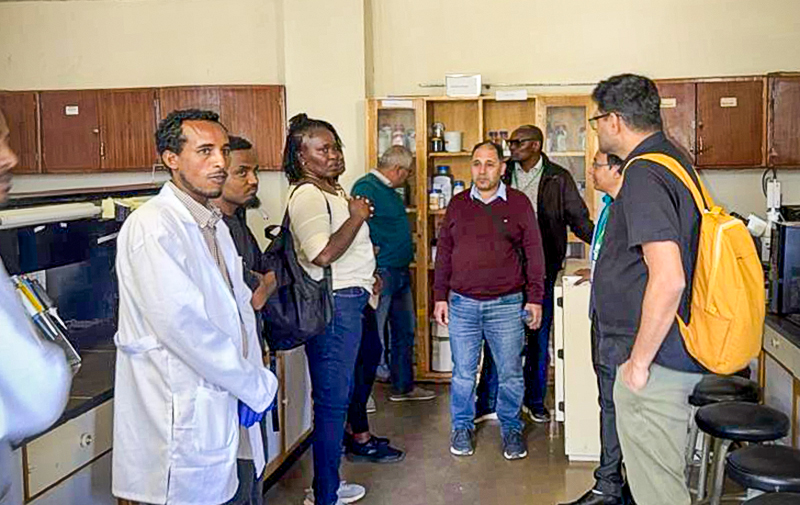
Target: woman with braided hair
x,y
329,230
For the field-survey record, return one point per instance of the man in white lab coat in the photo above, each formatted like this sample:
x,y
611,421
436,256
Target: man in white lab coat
x,y
187,349
34,376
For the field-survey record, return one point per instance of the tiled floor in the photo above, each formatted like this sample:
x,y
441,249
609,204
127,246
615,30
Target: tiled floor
x,y
431,476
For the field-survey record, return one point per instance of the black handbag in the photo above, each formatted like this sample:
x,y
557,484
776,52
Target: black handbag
x,y
301,307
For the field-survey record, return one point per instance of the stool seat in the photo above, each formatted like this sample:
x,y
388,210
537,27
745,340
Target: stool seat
x,y
724,388
741,421
775,499
769,468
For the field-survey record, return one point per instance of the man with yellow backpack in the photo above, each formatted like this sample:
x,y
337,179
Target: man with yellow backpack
x,y
678,289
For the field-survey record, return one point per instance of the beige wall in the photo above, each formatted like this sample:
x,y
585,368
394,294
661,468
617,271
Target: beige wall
x,y
576,41
107,43
325,76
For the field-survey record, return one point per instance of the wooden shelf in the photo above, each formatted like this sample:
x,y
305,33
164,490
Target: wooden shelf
x,y
580,154
434,376
460,154
411,210
439,212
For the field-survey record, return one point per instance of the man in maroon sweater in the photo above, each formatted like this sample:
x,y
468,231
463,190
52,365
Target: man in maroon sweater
x,y
489,278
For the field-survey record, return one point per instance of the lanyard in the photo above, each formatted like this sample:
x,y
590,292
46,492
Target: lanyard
x,y
600,229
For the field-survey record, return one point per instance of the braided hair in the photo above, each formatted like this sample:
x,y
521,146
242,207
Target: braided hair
x,y
299,126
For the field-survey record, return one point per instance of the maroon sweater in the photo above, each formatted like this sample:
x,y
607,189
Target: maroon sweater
x,y
475,259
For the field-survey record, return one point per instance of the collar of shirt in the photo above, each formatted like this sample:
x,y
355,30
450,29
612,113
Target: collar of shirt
x,y
381,177
533,171
501,193
205,216
647,145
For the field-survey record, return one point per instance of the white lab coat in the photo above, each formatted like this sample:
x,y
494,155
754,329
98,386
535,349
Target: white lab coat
x,y
180,364
34,382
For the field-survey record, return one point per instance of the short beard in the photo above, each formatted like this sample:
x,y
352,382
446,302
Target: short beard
x,y
215,193
252,203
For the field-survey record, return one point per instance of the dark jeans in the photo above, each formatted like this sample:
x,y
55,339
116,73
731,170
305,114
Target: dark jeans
x,y
331,363
537,361
396,307
369,355
250,489
609,474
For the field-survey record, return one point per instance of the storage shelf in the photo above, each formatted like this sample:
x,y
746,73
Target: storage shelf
x,y
439,212
460,154
567,153
411,210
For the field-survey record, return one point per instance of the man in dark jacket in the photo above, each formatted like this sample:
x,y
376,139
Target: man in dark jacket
x,y
558,204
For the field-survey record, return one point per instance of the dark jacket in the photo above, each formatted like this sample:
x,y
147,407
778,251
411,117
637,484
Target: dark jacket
x,y
559,204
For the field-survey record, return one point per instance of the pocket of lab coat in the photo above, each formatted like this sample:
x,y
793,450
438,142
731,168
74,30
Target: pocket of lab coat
x,y
214,417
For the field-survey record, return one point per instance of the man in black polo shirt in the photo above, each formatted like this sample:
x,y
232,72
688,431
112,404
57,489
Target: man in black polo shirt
x,y
643,278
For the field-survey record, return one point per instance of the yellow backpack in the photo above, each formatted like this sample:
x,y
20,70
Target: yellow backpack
x,y
727,311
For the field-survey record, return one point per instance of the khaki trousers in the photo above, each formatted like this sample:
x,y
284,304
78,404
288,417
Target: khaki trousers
x,y
652,424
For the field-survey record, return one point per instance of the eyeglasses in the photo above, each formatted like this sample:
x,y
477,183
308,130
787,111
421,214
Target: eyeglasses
x,y
517,142
593,120
597,165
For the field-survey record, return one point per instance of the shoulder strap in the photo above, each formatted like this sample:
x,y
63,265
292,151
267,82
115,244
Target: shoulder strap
x,y
328,271
698,190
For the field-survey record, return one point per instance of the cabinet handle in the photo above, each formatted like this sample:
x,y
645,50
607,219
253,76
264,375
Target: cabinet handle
x,y
96,131
700,145
86,440
776,343
102,149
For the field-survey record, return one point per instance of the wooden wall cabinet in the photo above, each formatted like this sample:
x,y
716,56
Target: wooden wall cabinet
x,y
127,129
70,131
730,123
718,123
783,130
678,113
257,113
21,112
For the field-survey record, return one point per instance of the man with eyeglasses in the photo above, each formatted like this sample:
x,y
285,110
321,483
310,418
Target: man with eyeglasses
x,y
558,203
609,487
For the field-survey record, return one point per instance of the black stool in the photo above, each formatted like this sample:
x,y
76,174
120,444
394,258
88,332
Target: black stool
x,y
775,499
769,468
713,389
730,422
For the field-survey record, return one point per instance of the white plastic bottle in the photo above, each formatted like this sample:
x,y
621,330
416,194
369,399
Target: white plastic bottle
x,y
443,181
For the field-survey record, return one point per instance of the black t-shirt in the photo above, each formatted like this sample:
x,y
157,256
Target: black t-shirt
x,y
652,206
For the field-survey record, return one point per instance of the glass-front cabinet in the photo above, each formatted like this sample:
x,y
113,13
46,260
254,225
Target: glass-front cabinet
x,y
441,132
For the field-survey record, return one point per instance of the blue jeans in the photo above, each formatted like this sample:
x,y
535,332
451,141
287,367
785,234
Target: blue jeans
x,y
396,307
250,490
331,362
499,322
369,353
537,361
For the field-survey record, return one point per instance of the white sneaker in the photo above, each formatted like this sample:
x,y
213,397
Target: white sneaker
x,y
491,416
372,407
347,493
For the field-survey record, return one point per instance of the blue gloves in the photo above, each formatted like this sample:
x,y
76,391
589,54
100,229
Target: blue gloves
x,y
247,416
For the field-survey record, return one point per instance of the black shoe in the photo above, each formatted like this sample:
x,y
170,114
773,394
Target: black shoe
x,y
593,498
538,414
348,440
374,452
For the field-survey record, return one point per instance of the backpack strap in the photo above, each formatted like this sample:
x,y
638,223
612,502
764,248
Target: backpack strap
x,y
698,190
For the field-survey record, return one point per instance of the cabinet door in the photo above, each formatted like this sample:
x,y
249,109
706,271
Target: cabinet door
x,y
256,113
678,110
195,97
730,124
784,121
19,109
70,131
128,125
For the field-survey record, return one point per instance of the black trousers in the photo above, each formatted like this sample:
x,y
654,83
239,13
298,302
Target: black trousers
x,y
609,474
369,355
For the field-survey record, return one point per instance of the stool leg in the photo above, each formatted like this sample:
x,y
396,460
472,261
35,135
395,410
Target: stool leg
x,y
702,478
720,453
691,443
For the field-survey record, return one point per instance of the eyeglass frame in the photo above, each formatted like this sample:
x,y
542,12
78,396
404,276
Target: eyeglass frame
x,y
520,141
593,120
